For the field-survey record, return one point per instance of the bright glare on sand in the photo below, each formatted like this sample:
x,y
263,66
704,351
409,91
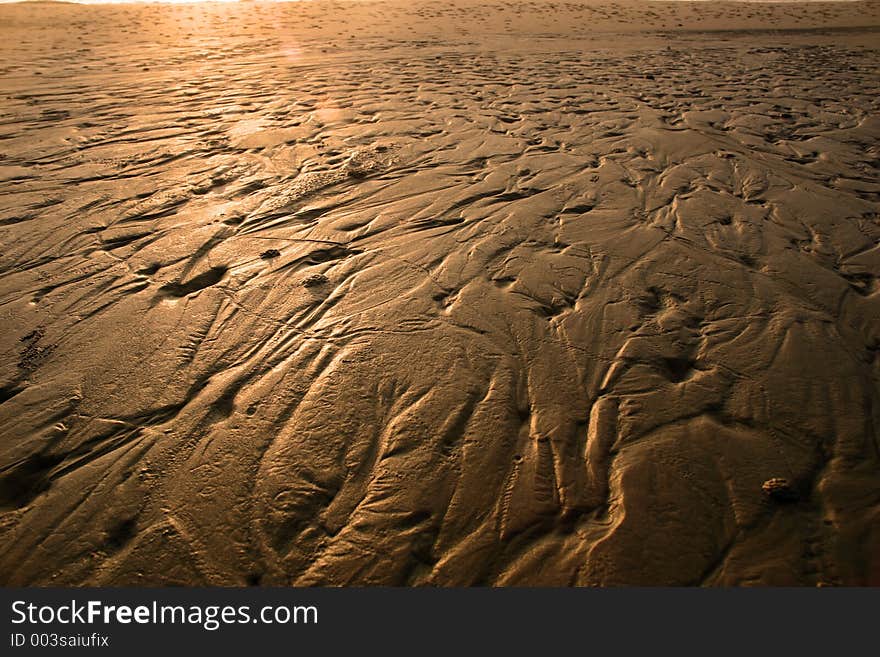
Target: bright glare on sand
x,y
186,2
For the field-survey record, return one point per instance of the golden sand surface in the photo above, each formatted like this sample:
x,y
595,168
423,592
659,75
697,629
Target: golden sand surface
x,y
451,293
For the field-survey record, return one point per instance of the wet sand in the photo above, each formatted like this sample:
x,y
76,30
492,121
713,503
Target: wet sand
x,y
458,293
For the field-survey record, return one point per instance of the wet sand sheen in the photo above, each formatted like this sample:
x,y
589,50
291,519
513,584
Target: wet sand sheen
x,y
469,293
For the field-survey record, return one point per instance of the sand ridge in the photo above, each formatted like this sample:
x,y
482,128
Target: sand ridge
x,y
426,304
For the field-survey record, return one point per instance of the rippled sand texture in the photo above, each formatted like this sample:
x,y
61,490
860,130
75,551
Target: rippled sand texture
x,y
548,311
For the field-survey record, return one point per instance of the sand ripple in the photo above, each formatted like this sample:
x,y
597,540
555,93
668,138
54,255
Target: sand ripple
x,y
543,317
